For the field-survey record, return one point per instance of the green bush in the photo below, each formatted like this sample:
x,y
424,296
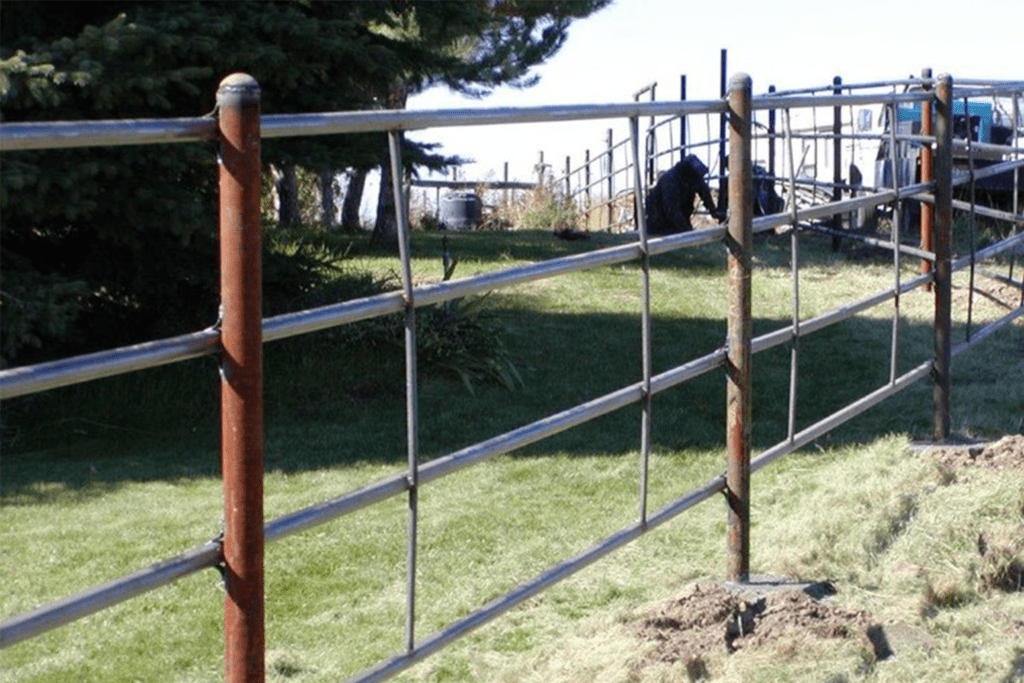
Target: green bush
x,y
465,338
36,309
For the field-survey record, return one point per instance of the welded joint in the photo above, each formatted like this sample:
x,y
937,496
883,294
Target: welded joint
x,y
727,494
222,366
221,566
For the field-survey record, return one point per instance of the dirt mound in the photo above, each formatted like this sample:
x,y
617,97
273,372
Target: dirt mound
x,y
1005,454
711,620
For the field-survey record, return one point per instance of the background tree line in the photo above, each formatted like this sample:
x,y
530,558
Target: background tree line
x,y
110,246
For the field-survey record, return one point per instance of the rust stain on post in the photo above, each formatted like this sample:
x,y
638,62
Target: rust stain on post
x,y
238,100
739,244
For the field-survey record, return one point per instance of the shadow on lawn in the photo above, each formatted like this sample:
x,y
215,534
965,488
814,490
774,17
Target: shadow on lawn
x,y
328,406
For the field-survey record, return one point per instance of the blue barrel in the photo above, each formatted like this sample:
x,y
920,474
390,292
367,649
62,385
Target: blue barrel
x,y
460,211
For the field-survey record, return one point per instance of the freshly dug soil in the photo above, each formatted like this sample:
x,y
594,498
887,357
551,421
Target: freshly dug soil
x,y
1005,454
711,620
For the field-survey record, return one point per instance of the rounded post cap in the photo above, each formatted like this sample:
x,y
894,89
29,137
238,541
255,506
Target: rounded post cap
x,y
740,81
238,86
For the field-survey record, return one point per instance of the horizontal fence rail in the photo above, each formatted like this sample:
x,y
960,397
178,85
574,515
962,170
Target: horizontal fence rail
x,y
35,378
739,109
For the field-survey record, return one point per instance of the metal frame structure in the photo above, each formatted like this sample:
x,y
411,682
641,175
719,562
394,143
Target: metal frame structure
x,y
239,336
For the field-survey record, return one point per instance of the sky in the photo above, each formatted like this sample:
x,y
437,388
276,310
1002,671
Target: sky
x,y
787,43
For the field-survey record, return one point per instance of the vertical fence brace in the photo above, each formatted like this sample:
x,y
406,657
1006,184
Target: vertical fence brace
x,y
794,352
721,133
897,231
927,211
645,327
411,387
771,138
651,149
943,170
241,394
970,219
739,243
682,119
837,159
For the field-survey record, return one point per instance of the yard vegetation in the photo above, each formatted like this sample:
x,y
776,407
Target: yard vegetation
x,y
104,478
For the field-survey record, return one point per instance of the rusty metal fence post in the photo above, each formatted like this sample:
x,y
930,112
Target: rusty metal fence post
x,y
238,101
943,169
739,242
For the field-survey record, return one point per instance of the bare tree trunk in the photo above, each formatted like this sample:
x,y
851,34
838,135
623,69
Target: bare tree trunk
x,y
287,195
353,198
327,199
385,229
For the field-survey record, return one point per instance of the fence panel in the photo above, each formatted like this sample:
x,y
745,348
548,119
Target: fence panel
x,y
240,335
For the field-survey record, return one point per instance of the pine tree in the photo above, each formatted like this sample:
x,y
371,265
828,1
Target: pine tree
x,y
130,231
115,245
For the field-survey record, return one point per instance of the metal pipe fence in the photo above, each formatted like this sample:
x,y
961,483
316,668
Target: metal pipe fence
x,y
239,336
847,142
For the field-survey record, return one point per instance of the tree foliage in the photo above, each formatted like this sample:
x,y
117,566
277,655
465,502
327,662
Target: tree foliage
x,y
133,228
118,244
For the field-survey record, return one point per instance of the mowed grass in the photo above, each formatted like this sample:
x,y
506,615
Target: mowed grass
x,y
106,478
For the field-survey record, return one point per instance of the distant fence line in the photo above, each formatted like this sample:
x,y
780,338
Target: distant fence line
x,y
241,333
601,184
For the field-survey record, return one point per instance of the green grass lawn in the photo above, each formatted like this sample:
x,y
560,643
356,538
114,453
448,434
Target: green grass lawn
x,y
102,479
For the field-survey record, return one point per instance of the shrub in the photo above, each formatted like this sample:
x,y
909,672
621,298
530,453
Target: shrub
x,y
543,209
36,309
465,338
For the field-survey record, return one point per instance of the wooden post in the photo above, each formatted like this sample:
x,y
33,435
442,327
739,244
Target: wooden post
x,y
611,180
586,183
568,174
505,177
